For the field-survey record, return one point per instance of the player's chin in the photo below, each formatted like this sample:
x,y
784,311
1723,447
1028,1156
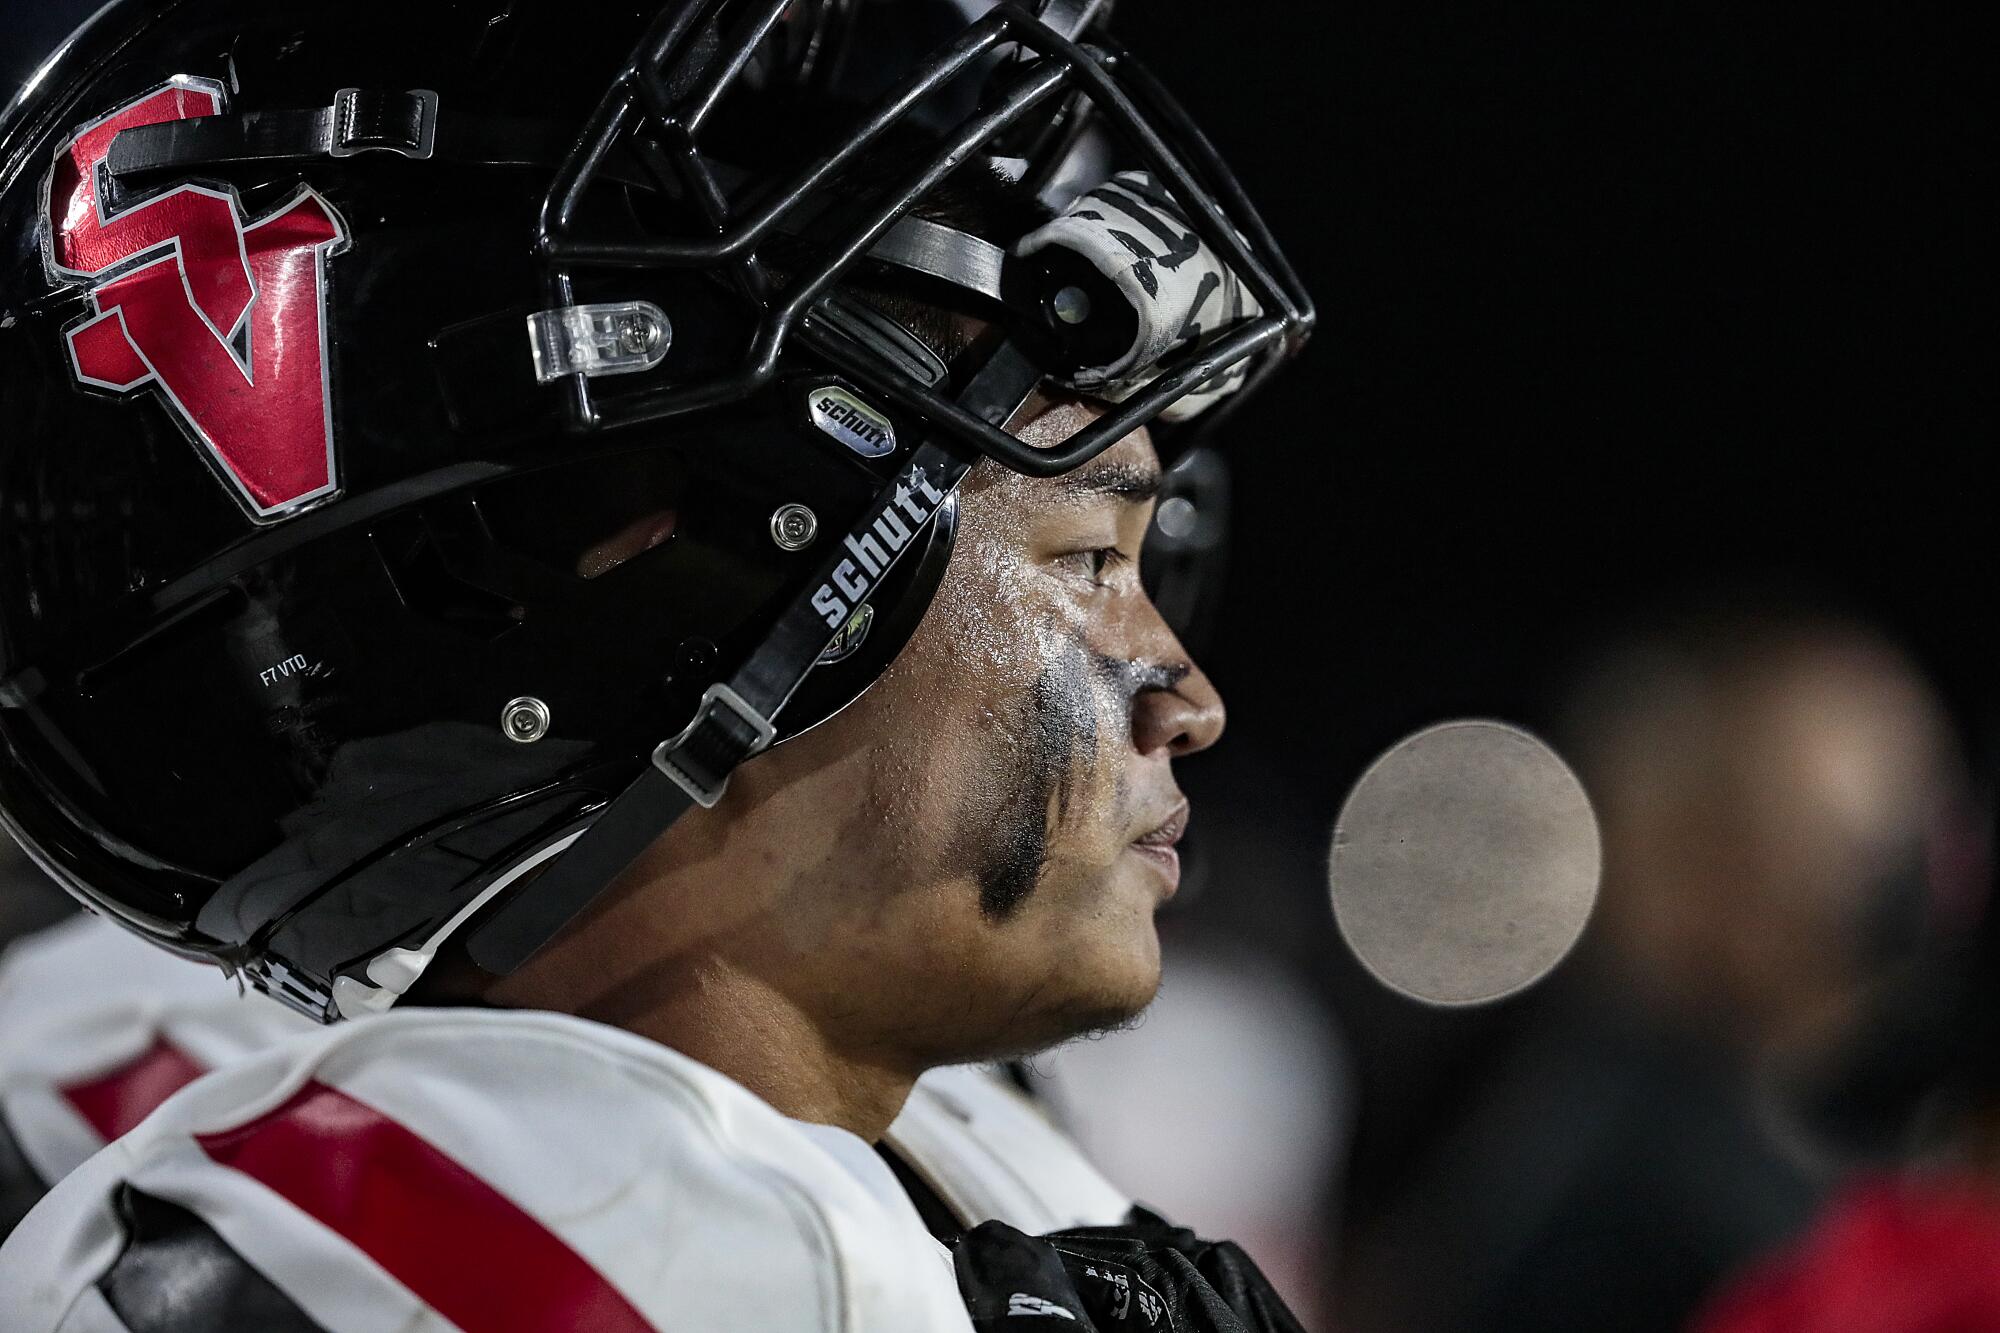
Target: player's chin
x,y
1119,955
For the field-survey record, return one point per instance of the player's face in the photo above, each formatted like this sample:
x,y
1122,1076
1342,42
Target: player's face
x,y
1011,826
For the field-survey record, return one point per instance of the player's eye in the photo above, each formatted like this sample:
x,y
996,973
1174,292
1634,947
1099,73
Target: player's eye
x,y
1097,563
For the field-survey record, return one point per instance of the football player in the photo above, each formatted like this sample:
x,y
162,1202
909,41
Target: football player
x,y
619,531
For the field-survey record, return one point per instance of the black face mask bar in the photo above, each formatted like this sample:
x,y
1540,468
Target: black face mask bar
x,y
661,102
677,80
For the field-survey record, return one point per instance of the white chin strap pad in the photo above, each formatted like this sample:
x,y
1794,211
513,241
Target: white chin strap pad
x,y
1131,231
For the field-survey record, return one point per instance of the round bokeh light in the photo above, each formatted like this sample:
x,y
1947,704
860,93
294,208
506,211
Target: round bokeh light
x,y
1465,863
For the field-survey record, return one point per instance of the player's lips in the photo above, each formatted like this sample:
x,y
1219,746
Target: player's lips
x,y
1159,845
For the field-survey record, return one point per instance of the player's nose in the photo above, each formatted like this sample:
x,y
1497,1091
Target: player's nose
x,y
1180,718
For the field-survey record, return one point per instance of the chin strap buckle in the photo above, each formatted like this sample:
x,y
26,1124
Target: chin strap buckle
x,y
726,731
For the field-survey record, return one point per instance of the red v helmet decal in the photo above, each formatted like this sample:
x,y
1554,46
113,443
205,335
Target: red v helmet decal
x,y
223,316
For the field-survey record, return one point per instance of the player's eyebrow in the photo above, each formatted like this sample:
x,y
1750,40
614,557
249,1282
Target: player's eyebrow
x,y
1134,483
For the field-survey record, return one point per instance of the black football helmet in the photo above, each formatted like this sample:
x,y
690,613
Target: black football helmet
x,y
440,441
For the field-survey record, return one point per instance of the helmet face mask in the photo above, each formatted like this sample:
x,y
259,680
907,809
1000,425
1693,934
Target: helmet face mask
x,y
1035,86
286,724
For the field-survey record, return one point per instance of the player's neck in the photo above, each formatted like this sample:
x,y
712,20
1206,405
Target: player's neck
x,y
737,1022
715,993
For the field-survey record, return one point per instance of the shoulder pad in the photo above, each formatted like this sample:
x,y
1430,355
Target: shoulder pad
x,y
991,1153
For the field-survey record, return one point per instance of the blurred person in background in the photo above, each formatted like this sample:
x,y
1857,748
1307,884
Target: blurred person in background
x,y
1772,789
1915,1250
1911,1244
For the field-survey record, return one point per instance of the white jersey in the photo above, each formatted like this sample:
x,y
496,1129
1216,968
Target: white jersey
x,y
474,1169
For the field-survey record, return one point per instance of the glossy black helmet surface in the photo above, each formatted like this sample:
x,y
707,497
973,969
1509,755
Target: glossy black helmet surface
x,y
413,415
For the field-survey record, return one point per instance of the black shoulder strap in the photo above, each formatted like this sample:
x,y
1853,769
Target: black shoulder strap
x,y
20,1187
943,1224
176,1275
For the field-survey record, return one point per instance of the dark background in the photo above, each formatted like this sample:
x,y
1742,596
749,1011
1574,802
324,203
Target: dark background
x,y
1617,301
1618,304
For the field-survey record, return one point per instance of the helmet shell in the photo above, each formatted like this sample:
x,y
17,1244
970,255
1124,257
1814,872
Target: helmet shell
x,y
279,735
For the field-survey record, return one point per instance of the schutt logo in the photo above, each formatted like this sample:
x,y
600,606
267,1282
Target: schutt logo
x,y
852,422
225,317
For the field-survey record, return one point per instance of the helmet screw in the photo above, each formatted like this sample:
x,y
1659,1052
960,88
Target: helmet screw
x,y
695,657
1070,305
637,335
794,526
525,720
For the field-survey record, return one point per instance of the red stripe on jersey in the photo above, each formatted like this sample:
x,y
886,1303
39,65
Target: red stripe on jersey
x,y
115,1102
465,1249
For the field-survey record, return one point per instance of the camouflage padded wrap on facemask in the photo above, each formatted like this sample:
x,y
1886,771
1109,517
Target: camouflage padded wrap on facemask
x,y
1132,232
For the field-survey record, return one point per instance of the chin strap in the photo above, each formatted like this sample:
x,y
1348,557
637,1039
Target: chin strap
x,y
360,120
735,720
408,124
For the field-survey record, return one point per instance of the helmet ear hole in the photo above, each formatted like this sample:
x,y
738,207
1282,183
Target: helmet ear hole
x,y
636,538
587,519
